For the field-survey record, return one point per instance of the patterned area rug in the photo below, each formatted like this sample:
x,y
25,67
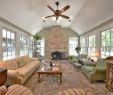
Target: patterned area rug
x,y
71,79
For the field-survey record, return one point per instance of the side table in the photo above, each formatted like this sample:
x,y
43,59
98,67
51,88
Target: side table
x,y
78,66
3,76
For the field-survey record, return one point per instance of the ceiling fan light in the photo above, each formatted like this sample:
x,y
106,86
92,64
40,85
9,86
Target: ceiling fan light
x,y
71,17
60,18
57,21
54,18
43,17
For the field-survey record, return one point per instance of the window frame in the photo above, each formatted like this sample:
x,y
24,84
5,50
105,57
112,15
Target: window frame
x,y
23,46
83,48
92,49
12,48
105,47
72,48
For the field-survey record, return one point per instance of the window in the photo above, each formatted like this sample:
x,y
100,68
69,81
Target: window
x,y
30,45
23,45
107,43
91,45
73,42
82,44
8,44
41,46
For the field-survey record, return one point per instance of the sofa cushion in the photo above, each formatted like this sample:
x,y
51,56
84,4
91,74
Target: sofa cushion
x,y
18,90
13,73
18,59
3,90
11,65
21,63
2,64
100,62
24,71
26,59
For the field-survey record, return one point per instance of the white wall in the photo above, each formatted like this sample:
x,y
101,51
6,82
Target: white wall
x,y
97,31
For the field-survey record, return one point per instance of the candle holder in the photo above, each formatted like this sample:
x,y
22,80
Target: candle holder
x,y
51,64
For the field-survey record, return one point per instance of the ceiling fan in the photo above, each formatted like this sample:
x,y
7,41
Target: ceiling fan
x,y
58,13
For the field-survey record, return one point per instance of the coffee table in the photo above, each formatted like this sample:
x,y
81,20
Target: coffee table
x,y
55,70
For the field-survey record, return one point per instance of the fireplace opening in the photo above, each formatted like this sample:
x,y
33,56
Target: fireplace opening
x,y
58,55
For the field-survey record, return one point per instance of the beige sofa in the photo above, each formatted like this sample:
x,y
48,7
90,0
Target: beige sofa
x,y
20,69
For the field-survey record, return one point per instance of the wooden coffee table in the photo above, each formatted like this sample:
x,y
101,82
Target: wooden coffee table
x,y
46,71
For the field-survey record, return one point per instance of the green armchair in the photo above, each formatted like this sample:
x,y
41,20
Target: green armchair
x,y
73,59
76,59
94,73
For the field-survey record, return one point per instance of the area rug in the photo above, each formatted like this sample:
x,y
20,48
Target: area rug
x,y
71,79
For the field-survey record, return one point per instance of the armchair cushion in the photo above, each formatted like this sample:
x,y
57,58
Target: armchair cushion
x,y
73,59
3,90
18,90
82,56
73,91
100,69
87,62
11,64
100,62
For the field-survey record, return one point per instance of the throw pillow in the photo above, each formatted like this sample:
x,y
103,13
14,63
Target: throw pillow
x,y
3,90
11,65
21,63
26,58
1,64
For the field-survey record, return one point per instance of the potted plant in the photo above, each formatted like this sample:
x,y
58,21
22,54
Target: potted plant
x,y
36,37
78,49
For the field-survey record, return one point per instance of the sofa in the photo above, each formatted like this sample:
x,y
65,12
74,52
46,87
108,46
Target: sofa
x,y
94,73
19,69
86,60
15,90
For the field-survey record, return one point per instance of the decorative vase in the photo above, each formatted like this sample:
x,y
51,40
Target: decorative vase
x,y
51,64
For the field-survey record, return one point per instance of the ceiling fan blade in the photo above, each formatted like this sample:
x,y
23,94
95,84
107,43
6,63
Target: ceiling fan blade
x,y
50,8
64,16
65,8
49,16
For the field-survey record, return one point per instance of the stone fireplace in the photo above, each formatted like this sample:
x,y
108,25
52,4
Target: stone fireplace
x,y
55,42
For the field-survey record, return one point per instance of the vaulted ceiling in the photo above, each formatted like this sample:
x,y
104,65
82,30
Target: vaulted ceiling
x,y
27,14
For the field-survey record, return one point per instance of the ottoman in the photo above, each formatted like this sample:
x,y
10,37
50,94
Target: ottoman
x,y
15,90
73,91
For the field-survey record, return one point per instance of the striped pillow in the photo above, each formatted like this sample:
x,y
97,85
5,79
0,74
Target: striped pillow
x,y
3,90
18,90
73,91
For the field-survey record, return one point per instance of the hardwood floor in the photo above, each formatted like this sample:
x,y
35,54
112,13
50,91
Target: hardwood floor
x,y
71,79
